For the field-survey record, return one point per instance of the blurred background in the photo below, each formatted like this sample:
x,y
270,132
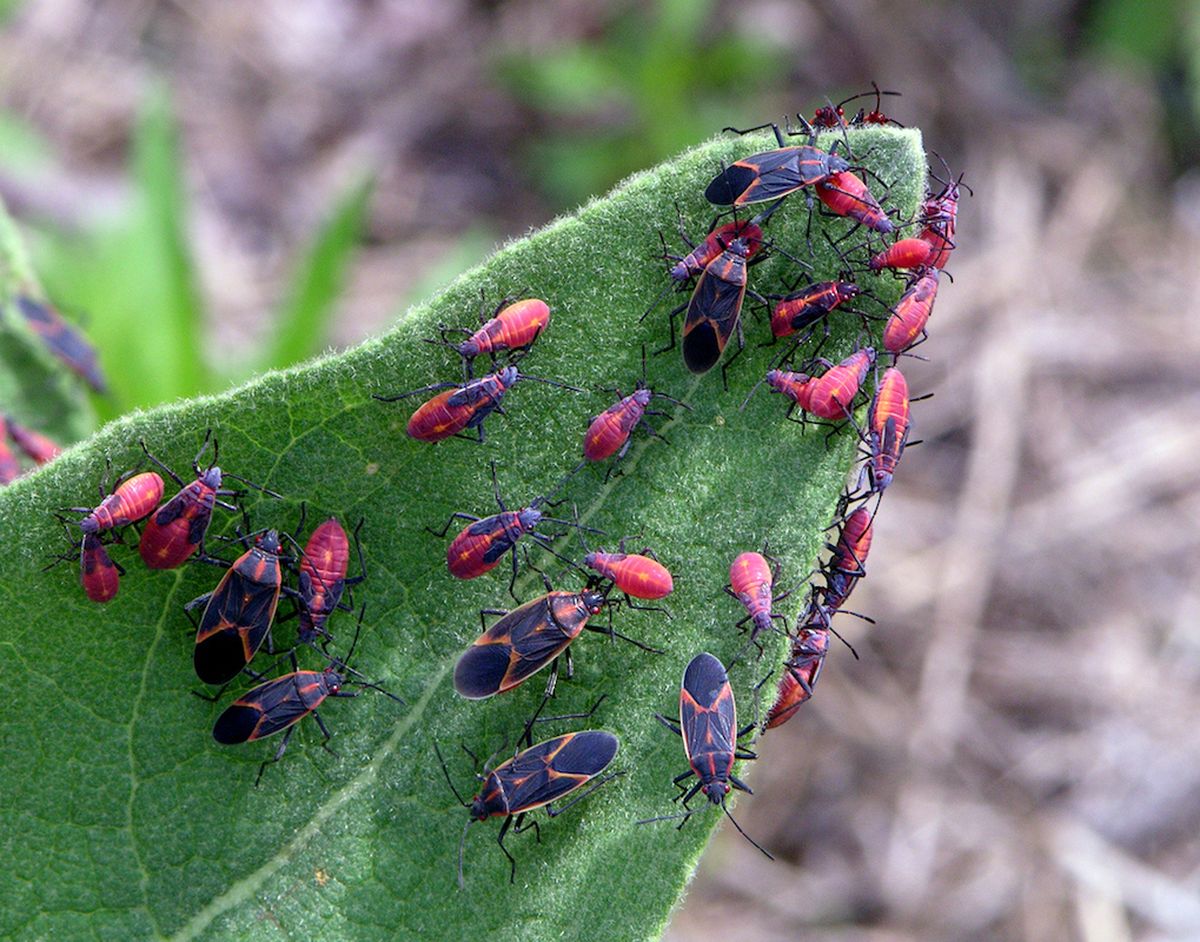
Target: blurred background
x,y
213,189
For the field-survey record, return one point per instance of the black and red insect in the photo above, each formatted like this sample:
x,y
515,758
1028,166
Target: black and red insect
x,y
637,575
844,194
132,499
803,668
802,308
39,448
905,254
609,432
63,340
462,405
532,779
99,574
176,529
911,313
708,726
888,428
239,611
751,581
776,173
527,639
322,577
481,545
830,395
831,117
939,216
513,327
279,704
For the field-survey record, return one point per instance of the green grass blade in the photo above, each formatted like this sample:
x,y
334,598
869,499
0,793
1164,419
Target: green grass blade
x,y
304,321
128,821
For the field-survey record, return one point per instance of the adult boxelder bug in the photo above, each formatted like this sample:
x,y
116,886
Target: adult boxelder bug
x,y
134,497
481,545
708,725
10,467
37,446
801,309
322,577
714,310
532,779
906,253
63,340
462,405
911,313
526,639
280,704
775,173
513,326
238,612
176,529
888,429
844,194
809,648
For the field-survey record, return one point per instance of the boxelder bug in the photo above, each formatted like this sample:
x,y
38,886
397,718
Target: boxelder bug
x,y
10,467
133,498
714,310
462,405
513,326
323,567
526,639
608,433
635,574
939,216
775,173
889,427
801,309
716,242
844,194
853,545
39,448
809,648
831,395
833,117
532,779
238,612
63,340
708,725
280,704
481,545
751,582
99,574
911,313
906,253
177,528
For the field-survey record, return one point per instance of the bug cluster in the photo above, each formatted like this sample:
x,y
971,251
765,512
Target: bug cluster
x,y
859,391
236,616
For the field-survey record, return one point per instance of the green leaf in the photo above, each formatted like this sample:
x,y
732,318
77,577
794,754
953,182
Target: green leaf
x,y
305,318
125,820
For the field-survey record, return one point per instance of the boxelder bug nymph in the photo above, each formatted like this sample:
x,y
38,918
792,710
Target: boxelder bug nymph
x,y
801,309
608,434
939,215
39,448
177,528
911,313
889,427
809,648
513,326
716,242
774,174
751,582
238,612
635,574
134,498
481,545
281,703
853,545
830,395
906,253
99,575
844,194
708,725
10,467
323,567
63,340
463,405
833,117
532,779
